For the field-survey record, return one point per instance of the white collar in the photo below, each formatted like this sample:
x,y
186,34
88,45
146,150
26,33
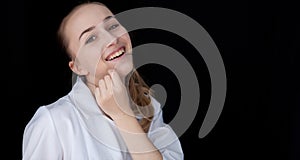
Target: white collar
x,y
98,125
84,100
86,103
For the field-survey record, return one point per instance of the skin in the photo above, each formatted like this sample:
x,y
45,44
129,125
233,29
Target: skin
x,y
93,65
106,78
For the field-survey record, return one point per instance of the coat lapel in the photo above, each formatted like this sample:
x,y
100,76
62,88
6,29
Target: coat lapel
x,y
98,125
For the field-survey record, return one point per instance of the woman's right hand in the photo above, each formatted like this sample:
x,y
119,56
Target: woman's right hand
x,y
111,96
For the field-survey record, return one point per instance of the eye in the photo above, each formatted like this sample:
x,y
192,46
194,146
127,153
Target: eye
x,y
112,27
90,39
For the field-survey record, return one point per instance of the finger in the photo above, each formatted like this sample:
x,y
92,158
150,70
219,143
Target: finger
x,y
102,86
116,80
108,83
97,92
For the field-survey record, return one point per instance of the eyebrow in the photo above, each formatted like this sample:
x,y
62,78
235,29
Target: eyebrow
x,y
93,27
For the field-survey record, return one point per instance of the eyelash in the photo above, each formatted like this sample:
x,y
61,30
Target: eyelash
x,y
113,27
93,37
90,39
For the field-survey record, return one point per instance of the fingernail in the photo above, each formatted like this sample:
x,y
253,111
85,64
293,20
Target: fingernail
x,y
110,71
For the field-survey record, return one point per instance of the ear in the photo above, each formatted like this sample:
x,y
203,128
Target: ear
x,y
77,69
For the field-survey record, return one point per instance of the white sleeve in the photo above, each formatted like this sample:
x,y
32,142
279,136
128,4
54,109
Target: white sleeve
x,y
163,137
40,140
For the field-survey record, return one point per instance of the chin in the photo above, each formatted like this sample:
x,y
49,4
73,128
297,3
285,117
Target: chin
x,y
125,67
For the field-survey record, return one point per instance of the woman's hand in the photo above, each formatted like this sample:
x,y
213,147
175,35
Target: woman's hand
x,y
111,95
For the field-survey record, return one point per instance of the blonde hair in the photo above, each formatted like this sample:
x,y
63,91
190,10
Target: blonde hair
x,y
138,89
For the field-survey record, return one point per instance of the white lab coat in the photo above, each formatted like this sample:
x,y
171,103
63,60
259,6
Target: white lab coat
x,y
74,128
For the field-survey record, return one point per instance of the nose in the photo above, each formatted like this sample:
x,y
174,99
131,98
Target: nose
x,y
111,40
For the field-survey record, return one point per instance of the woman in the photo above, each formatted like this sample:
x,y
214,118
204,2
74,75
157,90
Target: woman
x,y
99,119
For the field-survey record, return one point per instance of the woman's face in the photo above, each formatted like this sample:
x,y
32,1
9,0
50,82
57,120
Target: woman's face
x,y
97,43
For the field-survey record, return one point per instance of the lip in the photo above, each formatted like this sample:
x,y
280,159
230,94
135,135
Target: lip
x,y
113,52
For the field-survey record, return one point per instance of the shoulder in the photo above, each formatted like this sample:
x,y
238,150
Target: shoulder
x,y
63,107
40,134
40,123
45,115
157,120
156,106
40,117
157,113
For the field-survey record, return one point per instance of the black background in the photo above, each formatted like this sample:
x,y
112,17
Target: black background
x,y
258,42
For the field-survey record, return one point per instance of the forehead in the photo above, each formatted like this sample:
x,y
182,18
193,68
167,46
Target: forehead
x,y
85,17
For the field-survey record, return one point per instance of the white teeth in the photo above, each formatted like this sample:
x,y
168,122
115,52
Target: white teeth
x,y
116,54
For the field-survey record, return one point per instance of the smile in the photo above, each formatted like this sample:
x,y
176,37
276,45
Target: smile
x,y
116,54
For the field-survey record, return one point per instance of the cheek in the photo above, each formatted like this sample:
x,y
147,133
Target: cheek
x,y
100,70
89,57
88,62
126,39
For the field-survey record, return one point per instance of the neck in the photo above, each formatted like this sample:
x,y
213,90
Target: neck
x,y
92,86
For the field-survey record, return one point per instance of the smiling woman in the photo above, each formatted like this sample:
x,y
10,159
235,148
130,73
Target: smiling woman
x,y
100,118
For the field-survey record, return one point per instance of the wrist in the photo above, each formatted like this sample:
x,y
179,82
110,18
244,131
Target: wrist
x,y
122,116
128,124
